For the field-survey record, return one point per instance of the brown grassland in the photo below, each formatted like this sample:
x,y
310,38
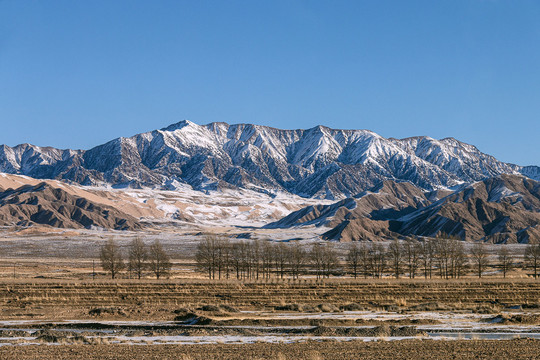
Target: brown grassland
x,y
147,299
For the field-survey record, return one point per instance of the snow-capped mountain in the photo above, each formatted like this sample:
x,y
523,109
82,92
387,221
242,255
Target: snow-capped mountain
x,y
318,162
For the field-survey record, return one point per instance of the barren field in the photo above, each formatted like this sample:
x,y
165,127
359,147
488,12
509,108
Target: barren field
x,y
312,350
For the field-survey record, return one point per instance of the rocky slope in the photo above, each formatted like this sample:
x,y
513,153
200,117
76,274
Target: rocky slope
x,y
505,208
318,162
384,201
501,209
47,205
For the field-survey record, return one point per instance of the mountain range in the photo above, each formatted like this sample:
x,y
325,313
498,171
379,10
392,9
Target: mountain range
x,y
319,162
356,183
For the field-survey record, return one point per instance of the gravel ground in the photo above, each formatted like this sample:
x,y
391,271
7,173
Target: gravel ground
x,y
394,350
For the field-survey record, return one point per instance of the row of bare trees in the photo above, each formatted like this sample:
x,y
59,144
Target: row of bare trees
x,y
443,257
220,258
141,259
410,258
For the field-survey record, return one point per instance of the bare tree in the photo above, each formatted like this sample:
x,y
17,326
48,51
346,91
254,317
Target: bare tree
x,y
214,256
505,259
159,262
297,258
365,259
206,255
280,258
411,252
223,256
427,256
237,259
442,255
138,257
396,257
458,259
316,259
449,255
330,259
377,255
111,258
247,260
532,257
480,258
267,258
353,258
256,252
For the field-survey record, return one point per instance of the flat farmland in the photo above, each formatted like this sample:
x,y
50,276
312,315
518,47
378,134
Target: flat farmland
x,y
279,319
465,294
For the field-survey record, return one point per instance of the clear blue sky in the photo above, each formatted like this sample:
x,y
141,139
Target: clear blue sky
x,y
79,73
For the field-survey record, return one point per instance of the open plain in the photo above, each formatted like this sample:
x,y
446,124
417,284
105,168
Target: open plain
x,y
57,302
279,319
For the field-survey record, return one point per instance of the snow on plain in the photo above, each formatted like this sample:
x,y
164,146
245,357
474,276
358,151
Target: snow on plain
x,y
225,207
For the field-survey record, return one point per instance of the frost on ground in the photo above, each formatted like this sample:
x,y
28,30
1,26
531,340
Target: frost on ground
x,y
452,326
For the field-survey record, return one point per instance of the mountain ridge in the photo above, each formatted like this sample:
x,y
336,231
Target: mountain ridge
x,y
505,208
319,162
46,204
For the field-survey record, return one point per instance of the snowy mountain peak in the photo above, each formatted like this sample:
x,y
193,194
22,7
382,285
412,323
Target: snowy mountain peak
x,y
179,125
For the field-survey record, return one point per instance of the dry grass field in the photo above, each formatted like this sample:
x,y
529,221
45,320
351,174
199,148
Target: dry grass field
x,y
202,319
57,299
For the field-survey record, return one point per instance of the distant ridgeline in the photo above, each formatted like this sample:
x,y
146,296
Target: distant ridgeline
x,y
318,162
